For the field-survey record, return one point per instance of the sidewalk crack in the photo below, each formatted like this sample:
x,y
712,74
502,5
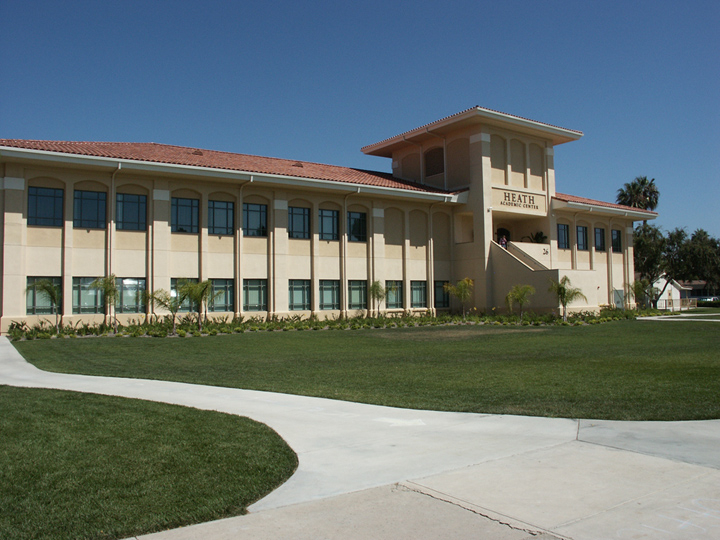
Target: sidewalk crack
x,y
451,500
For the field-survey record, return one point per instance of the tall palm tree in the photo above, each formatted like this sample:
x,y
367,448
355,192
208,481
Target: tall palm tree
x,y
640,193
565,293
46,288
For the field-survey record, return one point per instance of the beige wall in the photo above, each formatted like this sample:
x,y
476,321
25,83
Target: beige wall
x,y
407,239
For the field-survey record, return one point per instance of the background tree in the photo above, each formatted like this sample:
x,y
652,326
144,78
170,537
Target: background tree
x,y
641,291
48,290
111,294
520,295
640,193
169,302
649,252
462,290
703,252
565,293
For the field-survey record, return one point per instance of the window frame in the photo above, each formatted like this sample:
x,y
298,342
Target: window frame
x,y
600,246
304,287
51,216
31,297
125,285
187,305
249,211
80,285
330,287
616,236
258,286
581,232
442,296
215,208
563,236
331,217
298,223
394,288
359,220
226,286
124,224
418,294
357,290
175,209
89,202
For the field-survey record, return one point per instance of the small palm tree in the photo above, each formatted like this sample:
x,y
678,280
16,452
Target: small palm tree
x,y
462,290
111,294
520,295
200,295
565,293
169,302
377,293
46,288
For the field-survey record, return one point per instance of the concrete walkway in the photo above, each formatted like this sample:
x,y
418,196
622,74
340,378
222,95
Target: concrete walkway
x,y
377,472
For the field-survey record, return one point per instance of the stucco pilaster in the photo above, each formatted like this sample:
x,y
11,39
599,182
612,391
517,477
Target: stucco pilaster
x,y
14,234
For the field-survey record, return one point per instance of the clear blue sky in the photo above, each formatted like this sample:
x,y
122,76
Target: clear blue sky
x,y
317,80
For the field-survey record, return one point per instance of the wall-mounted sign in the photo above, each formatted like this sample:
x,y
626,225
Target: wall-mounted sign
x,y
505,200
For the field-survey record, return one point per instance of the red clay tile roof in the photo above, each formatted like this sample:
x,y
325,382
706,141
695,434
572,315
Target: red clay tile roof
x,y
181,155
583,200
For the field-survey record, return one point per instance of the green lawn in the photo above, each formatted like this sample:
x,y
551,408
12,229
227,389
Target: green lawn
x,y
634,370
83,466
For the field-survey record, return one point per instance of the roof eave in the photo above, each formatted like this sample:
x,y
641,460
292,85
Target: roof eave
x,y
636,215
557,134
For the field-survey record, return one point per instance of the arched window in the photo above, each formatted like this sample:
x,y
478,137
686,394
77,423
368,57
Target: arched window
x,y
434,162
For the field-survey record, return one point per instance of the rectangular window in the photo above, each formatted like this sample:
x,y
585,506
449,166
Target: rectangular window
x,y
299,295
616,241
185,215
329,224
563,236
89,209
299,223
599,239
442,297
329,294
254,219
37,301
255,295
45,207
223,295
357,227
175,284
418,294
131,295
86,299
582,238
394,294
357,294
221,218
131,212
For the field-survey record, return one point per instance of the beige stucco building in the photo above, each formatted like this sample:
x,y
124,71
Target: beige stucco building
x,y
281,237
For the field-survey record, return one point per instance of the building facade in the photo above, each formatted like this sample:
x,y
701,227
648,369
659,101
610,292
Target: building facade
x,y
281,237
